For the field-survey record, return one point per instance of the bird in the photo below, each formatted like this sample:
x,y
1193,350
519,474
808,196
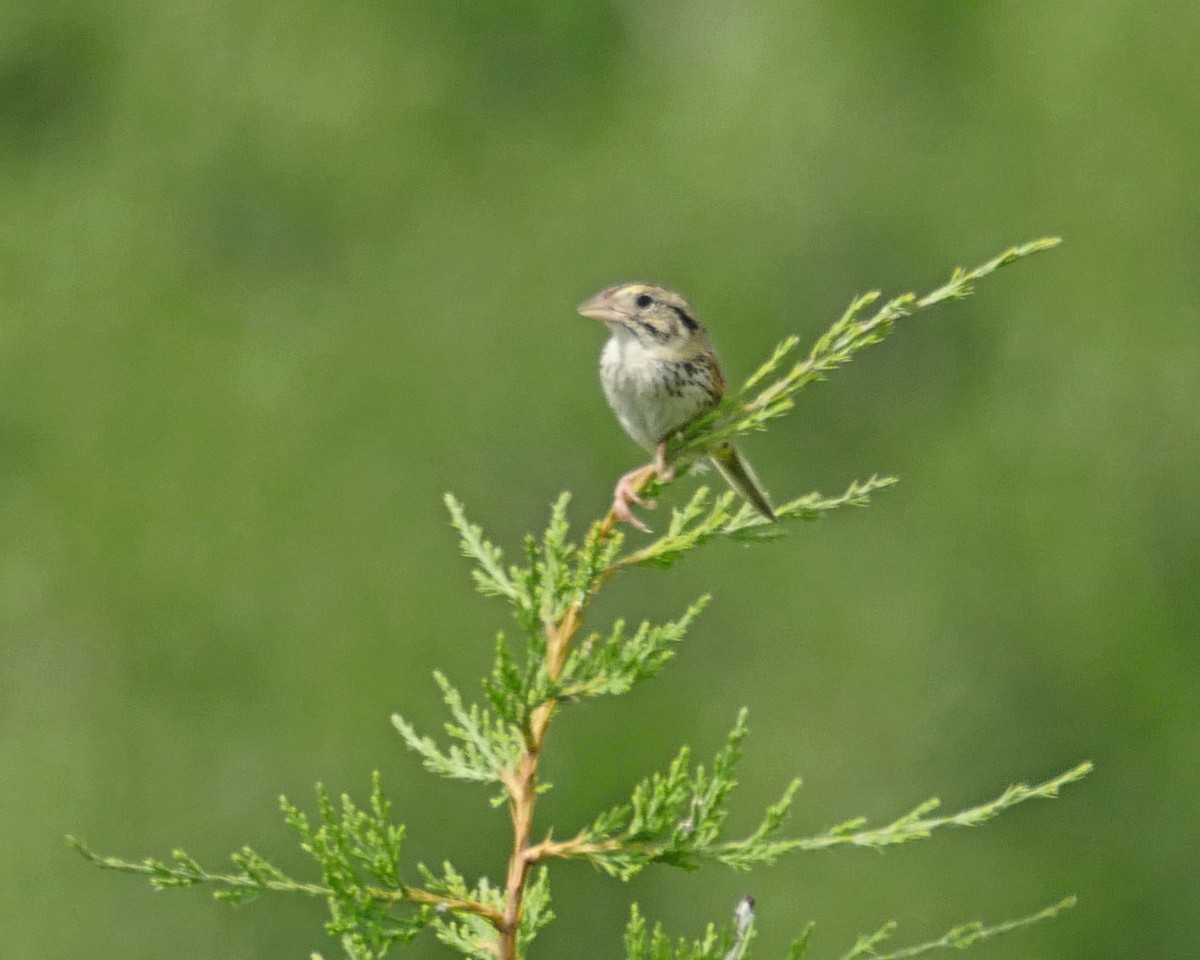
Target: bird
x,y
659,372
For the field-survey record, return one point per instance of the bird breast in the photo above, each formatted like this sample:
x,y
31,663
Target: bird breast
x,y
651,394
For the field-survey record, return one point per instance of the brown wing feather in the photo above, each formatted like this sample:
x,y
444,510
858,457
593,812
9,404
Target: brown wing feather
x,y
715,376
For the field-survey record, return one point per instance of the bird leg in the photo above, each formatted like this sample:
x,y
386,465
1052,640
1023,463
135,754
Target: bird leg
x,y
626,490
665,471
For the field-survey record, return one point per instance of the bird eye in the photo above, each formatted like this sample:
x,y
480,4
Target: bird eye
x,y
644,300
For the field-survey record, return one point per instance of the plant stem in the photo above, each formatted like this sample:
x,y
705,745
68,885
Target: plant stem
x,y
194,875
522,782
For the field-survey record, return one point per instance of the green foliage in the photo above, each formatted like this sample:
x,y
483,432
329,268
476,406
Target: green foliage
x,y
557,573
731,943
352,845
614,663
917,825
357,851
958,938
674,817
701,520
486,745
468,933
253,876
654,944
836,347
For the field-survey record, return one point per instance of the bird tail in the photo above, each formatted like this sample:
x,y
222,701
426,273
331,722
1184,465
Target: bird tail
x,y
740,475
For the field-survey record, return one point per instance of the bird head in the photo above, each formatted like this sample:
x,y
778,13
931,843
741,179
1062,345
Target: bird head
x,y
654,315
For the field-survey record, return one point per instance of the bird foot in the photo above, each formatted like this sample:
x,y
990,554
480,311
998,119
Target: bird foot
x,y
626,493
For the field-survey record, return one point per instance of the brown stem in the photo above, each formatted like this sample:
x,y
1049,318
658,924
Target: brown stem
x,y
523,784
449,904
569,849
522,781
524,798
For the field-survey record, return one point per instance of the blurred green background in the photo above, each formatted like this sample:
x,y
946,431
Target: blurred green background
x,y
276,275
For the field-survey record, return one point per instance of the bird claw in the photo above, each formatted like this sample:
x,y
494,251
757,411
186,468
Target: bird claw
x,y
626,491
625,494
621,509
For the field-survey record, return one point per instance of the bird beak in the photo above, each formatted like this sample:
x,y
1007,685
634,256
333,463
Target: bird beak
x,y
600,307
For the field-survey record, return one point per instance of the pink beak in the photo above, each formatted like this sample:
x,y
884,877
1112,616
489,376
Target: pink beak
x,y
600,307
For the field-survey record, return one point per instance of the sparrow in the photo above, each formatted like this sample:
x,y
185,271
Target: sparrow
x,y
659,373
